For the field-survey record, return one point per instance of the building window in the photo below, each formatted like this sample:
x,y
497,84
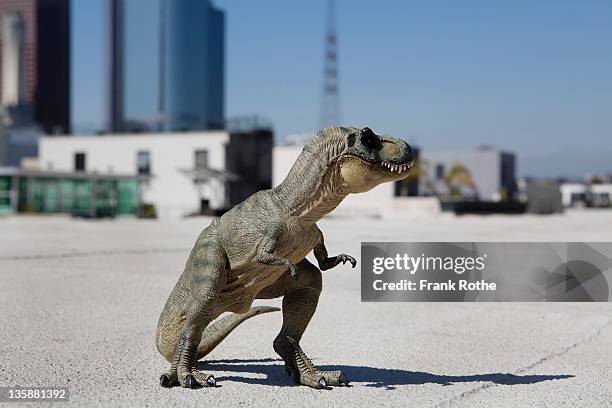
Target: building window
x,y
439,171
201,159
79,161
577,198
143,163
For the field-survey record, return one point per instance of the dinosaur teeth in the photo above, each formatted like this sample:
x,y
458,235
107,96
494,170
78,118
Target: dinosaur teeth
x,y
397,167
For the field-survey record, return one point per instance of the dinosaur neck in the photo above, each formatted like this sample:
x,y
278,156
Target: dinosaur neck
x,y
313,186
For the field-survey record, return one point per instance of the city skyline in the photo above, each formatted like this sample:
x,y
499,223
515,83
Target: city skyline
x,y
529,78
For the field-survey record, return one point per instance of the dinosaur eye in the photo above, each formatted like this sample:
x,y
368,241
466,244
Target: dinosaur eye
x,y
369,139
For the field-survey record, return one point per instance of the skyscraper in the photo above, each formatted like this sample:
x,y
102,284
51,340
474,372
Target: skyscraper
x,y
166,70
34,62
216,52
13,61
115,57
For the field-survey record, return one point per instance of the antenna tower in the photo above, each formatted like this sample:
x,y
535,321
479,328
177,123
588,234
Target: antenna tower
x,y
330,100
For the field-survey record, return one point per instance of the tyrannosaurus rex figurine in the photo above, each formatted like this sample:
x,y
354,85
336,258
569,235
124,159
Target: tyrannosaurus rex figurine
x,y
257,250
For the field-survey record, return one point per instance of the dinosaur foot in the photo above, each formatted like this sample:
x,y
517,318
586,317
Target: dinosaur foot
x,y
303,370
183,370
196,379
320,379
191,379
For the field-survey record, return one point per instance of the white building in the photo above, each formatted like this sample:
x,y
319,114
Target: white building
x,y
493,172
188,172
581,194
573,194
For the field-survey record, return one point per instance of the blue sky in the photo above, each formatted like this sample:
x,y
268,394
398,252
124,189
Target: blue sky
x,y
534,77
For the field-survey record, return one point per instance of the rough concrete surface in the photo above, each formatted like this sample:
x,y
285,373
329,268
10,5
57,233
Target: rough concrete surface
x,y
79,302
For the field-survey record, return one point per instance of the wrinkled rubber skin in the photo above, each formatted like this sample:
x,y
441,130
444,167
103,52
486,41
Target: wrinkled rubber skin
x,y
258,249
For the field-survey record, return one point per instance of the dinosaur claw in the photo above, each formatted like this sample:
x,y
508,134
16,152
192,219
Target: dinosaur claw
x,y
343,380
190,382
322,383
164,381
211,381
347,258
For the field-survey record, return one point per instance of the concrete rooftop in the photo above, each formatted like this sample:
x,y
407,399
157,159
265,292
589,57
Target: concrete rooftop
x,y
80,301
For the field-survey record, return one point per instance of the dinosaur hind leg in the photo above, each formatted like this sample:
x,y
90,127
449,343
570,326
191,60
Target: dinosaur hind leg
x,y
300,300
205,275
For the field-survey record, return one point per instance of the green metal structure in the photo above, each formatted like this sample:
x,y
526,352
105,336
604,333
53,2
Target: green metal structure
x,y
81,194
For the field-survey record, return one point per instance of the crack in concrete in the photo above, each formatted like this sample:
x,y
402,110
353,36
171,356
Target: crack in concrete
x,y
90,254
559,353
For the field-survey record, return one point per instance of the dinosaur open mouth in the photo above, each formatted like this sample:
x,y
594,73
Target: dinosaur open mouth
x,y
397,168
387,166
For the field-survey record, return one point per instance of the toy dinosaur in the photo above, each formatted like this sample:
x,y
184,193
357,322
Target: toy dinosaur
x,y
257,250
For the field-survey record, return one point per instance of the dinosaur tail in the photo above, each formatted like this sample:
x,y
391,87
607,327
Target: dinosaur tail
x,y
219,330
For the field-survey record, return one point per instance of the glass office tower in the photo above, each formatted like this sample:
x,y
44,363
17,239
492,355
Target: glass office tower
x,y
141,105
168,58
216,56
192,65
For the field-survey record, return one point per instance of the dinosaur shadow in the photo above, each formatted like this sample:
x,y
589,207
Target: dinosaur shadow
x,y
373,377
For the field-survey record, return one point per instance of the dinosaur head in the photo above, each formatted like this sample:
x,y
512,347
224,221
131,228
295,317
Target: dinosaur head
x,y
369,160
338,161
